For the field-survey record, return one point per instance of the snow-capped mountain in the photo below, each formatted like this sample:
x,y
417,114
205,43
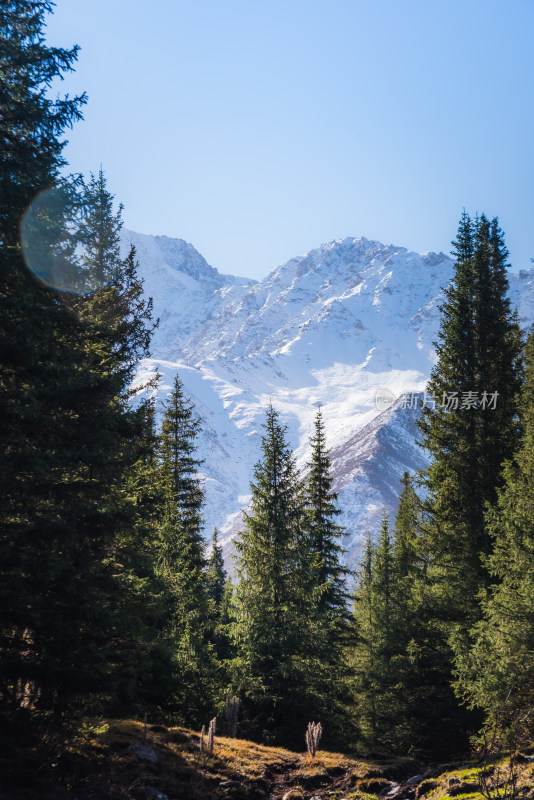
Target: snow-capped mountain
x,y
325,329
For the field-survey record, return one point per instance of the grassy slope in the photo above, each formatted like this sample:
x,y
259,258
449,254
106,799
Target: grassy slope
x,y
98,763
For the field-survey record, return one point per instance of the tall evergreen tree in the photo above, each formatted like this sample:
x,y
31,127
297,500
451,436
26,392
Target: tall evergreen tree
x,y
470,433
183,564
479,358
330,574
216,573
114,438
119,322
407,523
113,304
271,596
420,702
384,581
36,355
381,642
496,662
219,595
365,653
70,440
328,595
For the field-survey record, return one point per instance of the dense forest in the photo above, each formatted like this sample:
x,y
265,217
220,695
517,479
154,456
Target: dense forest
x,y
110,600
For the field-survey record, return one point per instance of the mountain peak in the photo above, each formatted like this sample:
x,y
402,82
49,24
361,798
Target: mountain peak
x,y
328,328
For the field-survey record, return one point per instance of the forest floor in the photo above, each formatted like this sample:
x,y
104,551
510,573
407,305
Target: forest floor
x,y
109,760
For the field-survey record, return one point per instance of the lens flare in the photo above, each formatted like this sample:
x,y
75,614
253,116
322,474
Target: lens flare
x,y
53,243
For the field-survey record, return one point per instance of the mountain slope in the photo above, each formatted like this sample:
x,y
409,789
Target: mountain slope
x,y
325,329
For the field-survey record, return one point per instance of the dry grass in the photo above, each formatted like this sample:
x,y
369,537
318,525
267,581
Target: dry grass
x,y
97,763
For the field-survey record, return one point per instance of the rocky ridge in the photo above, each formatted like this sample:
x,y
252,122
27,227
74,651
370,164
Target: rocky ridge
x,y
327,329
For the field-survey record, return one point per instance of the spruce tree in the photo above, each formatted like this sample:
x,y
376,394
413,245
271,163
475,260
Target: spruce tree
x,y
36,354
183,564
219,591
330,574
495,663
406,529
216,573
401,703
406,722
479,352
75,574
179,431
113,304
384,581
479,359
380,641
271,600
223,640
328,596
117,580
366,654
419,702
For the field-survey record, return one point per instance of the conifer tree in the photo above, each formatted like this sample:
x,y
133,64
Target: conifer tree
x,y
328,596
116,438
384,581
496,662
113,305
65,508
183,563
216,573
479,352
36,354
416,709
184,494
405,536
365,653
223,640
377,613
330,574
400,702
98,231
406,720
219,591
271,596
479,359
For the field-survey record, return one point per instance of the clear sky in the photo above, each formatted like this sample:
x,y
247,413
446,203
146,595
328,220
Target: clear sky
x,y
258,129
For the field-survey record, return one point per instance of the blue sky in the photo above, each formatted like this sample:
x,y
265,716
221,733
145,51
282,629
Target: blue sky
x,y
258,130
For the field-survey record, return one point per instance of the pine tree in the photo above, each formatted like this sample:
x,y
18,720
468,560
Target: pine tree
x,y
376,670
216,573
330,573
183,564
36,353
416,709
479,352
496,663
219,591
328,596
70,440
270,597
406,529
113,305
384,581
116,577
365,653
